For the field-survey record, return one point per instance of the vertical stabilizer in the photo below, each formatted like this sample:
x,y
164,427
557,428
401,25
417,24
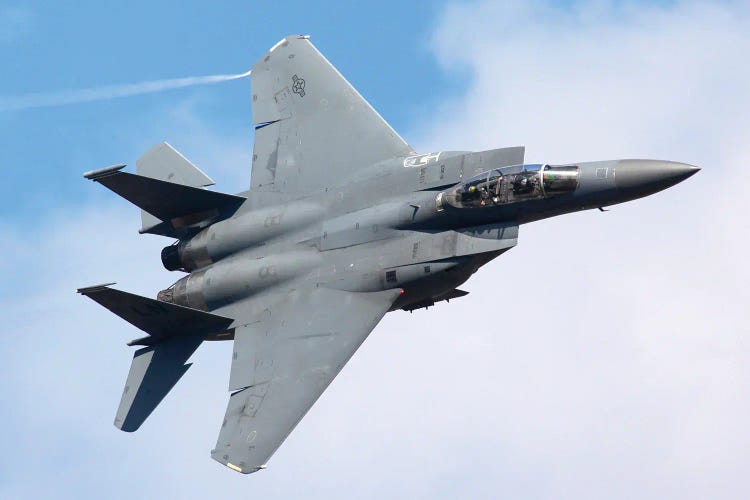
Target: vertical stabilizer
x,y
163,162
153,373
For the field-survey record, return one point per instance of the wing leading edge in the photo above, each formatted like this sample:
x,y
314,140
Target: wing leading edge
x,y
282,364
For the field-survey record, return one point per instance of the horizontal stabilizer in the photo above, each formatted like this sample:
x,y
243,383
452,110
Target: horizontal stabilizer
x,y
180,207
155,370
159,319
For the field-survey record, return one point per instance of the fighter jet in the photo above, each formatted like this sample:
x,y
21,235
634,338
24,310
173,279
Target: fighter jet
x,y
343,222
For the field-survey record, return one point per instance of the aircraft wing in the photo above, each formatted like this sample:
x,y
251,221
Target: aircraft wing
x,y
283,362
313,129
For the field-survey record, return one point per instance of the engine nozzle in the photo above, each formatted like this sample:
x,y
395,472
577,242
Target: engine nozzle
x,y
170,257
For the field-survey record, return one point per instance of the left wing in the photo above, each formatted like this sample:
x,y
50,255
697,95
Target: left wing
x,y
313,129
282,364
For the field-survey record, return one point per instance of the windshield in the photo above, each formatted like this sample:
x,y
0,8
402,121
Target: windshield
x,y
559,180
512,184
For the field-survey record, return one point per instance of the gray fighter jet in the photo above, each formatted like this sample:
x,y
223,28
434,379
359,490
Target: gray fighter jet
x,y
343,223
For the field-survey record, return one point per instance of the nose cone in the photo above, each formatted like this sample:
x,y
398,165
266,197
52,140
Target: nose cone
x,y
643,177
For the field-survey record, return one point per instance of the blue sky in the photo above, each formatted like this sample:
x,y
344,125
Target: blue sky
x,y
383,48
621,370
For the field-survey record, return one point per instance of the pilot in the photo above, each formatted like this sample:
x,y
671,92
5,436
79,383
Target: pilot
x,y
522,184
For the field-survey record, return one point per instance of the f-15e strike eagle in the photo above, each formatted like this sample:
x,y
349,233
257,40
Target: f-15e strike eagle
x,y
343,223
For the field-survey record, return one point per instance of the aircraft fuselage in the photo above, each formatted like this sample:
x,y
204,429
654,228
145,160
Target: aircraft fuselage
x,y
411,239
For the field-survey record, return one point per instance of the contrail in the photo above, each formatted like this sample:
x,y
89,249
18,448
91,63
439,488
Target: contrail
x,y
62,98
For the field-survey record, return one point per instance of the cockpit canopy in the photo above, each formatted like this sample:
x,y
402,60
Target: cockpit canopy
x,y
512,184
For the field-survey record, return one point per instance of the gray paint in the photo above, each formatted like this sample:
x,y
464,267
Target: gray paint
x,y
343,222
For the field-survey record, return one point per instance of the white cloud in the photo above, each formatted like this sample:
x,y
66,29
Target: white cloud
x,y
604,357
634,385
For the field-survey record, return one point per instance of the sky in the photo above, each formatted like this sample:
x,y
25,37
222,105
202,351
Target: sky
x,y
604,357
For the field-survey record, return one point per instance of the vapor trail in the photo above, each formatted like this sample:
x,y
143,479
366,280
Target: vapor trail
x,y
48,99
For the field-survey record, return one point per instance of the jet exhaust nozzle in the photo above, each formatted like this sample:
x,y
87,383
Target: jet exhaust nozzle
x,y
170,258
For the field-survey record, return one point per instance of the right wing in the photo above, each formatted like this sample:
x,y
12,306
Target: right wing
x,y
282,364
313,129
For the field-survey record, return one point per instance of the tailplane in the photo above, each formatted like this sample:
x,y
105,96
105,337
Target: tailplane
x,y
170,192
165,163
153,373
174,333
160,320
